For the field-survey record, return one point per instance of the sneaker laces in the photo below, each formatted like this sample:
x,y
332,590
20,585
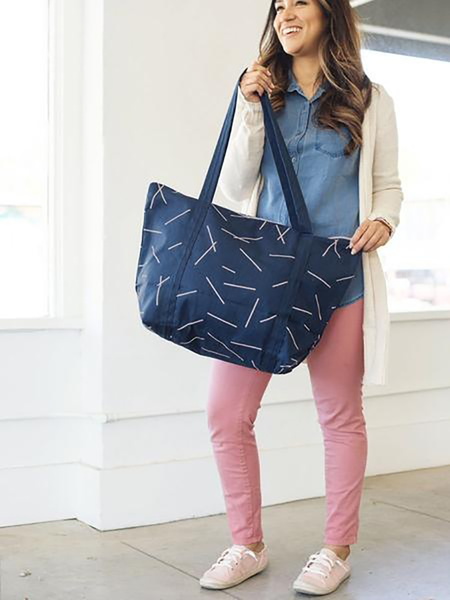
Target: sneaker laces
x,y
231,556
318,563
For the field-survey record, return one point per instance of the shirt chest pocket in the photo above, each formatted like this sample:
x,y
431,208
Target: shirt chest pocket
x,y
330,143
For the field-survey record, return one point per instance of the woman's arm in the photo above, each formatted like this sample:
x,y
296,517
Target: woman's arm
x,y
245,150
387,194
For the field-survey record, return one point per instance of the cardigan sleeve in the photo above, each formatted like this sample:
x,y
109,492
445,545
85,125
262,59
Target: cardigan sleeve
x,y
244,153
387,194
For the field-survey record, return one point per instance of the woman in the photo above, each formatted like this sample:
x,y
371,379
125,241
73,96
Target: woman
x,y
340,130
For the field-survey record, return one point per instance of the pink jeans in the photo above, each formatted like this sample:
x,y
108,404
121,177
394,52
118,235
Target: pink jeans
x,y
336,370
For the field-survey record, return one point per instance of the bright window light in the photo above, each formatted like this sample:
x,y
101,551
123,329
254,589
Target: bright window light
x,y
24,158
417,259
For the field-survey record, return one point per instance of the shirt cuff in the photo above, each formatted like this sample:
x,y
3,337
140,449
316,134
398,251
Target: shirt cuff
x,y
253,111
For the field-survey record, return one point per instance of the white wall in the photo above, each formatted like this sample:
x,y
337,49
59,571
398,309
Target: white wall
x,y
121,439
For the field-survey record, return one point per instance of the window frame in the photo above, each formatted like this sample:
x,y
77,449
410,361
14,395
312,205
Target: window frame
x,y
64,212
427,46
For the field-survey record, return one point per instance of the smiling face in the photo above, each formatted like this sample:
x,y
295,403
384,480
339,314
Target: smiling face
x,y
299,25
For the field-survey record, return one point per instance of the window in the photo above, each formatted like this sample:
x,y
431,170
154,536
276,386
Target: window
x,y
41,175
24,164
417,260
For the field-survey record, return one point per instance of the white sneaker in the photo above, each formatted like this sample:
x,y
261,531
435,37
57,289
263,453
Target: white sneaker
x,y
323,573
233,566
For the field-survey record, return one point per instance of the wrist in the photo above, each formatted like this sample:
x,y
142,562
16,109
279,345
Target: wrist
x,y
386,223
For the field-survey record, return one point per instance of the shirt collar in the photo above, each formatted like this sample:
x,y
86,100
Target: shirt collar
x,y
293,86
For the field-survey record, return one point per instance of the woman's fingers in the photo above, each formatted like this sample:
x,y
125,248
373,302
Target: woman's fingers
x,y
377,240
261,74
369,236
256,80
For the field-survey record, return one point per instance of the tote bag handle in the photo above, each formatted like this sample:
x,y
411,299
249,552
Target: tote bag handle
x,y
295,202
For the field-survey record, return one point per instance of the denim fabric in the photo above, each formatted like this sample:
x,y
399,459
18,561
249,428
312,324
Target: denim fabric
x,y
329,180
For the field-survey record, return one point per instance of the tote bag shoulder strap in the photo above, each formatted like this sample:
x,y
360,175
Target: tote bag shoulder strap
x,y
295,202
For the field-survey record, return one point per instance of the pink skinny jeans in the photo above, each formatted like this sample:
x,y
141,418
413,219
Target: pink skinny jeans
x,y
235,393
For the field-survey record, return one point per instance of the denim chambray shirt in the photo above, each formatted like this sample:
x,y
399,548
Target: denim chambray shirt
x,y
329,180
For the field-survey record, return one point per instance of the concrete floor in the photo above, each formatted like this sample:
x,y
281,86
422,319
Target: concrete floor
x,y
403,551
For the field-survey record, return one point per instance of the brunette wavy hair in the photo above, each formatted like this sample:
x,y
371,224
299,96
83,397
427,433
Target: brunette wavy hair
x,y
350,91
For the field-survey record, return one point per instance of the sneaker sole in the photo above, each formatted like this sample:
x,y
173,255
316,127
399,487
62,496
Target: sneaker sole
x,y
216,585
306,590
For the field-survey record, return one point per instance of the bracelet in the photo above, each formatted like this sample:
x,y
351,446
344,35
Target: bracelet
x,y
386,223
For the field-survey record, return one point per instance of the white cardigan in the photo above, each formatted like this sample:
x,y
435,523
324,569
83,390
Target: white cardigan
x,y
380,195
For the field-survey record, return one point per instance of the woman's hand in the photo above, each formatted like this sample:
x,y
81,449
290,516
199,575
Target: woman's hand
x,y
369,236
254,81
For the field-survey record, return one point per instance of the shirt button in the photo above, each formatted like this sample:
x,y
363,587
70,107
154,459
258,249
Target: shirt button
x,y
293,159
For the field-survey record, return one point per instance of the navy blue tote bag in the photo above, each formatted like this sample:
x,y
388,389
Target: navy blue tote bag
x,y
234,287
